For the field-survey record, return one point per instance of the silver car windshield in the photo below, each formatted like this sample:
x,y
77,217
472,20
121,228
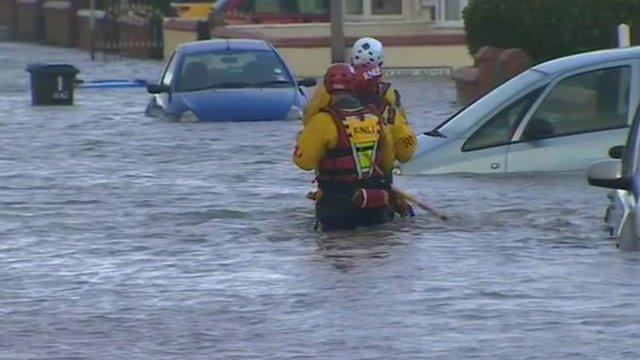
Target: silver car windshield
x,y
510,90
232,69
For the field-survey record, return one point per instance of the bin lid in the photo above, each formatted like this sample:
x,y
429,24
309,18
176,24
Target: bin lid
x,y
52,68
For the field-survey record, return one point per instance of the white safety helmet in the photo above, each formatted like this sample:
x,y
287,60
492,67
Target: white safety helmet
x,y
367,50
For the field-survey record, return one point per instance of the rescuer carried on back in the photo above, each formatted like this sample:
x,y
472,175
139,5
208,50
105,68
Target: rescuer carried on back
x,y
351,149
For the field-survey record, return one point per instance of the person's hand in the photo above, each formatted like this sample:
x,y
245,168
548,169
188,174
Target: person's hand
x,y
400,204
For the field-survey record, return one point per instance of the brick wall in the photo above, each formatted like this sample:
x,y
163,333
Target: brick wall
x,y
133,37
30,25
4,12
493,66
60,22
12,16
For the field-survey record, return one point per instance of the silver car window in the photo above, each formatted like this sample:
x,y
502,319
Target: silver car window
x,y
469,116
500,128
592,101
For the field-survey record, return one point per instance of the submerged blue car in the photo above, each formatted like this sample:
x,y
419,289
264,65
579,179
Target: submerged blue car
x,y
227,80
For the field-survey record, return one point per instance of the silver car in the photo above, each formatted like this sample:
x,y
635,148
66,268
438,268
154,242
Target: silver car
x,y
561,115
623,175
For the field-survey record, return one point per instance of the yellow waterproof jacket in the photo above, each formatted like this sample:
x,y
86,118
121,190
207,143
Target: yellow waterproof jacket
x,y
321,135
321,99
404,140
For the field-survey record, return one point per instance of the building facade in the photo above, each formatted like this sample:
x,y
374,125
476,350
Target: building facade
x,y
416,33
446,13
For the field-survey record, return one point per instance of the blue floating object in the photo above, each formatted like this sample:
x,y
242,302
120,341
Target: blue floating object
x,y
112,83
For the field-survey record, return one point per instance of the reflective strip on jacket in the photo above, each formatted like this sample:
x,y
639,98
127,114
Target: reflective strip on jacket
x,y
359,152
402,136
320,136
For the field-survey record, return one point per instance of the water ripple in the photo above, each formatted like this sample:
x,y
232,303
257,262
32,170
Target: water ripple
x,y
125,237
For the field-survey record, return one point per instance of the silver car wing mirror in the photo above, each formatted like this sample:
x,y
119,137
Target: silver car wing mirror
x,y
608,174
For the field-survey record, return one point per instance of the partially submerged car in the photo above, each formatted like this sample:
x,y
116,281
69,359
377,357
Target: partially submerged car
x,y
227,80
561,115
622,216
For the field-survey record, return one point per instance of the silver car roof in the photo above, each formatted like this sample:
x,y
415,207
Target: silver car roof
x,y
587,59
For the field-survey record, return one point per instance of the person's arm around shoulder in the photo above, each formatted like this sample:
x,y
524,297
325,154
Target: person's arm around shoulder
x,y
313,141
404,140
319,100
392,97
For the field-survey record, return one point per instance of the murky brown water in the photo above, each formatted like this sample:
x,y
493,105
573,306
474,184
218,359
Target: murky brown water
x,y
125,237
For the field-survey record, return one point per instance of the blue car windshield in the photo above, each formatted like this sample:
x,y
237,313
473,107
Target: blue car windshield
x,y
232,69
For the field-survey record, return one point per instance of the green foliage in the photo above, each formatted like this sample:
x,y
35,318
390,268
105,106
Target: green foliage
x,y
163,6
549,29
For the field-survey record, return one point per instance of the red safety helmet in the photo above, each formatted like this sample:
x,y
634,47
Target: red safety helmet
x,y
340,77
369,76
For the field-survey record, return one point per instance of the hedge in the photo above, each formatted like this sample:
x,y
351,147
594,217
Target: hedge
x,y
549,29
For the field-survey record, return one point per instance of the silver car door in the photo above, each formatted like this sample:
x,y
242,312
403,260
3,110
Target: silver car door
x,y
576,120
623,214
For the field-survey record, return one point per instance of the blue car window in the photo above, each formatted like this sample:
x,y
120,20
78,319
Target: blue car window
x,y
167,76
232,69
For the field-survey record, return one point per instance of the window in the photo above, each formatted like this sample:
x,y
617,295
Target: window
x,y
288,7
232,69
386,7
592,101
267,6
320,7
167,76
500,128
450,11
373,7
354,7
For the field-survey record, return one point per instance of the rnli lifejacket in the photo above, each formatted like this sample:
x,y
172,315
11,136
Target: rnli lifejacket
x,y
357,157
377,101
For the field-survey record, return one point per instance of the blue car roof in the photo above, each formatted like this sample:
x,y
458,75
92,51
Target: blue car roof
x,y
587,59
196,47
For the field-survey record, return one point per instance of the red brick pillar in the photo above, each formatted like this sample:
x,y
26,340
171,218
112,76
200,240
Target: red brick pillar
x,y
13,18
485,61
134,36
83,39
60,22
466,79
474,82
4,12
511,63
30,25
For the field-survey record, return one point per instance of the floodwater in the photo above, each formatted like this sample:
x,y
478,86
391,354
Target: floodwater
x,y
126,237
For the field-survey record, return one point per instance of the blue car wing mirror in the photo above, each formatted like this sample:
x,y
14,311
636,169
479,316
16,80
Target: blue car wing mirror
x,y
158,89
307,82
